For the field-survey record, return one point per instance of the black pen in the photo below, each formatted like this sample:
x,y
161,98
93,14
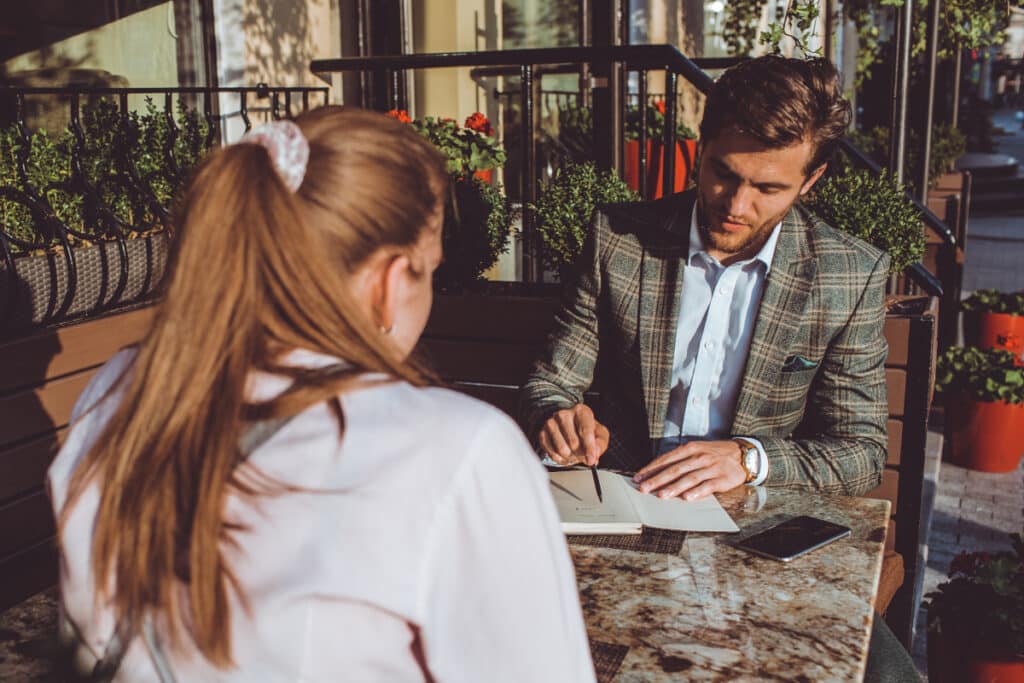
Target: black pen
x,y
597,483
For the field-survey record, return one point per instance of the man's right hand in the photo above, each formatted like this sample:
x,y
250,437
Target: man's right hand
x,y
572,436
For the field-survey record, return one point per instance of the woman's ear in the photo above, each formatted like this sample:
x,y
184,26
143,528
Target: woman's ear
x,y
392,283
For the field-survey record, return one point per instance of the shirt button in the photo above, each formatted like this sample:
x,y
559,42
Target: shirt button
x,y
708,345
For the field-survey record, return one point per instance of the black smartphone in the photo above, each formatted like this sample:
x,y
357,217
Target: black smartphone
x,y
793,537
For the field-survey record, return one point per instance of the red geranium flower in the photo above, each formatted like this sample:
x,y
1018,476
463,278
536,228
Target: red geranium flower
x,y
479,123
660,106
400,114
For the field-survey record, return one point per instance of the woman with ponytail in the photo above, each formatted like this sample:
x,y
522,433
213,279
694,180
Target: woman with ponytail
x,y
268,488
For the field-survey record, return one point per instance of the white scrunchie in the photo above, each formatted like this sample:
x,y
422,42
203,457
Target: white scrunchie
x,y
288,149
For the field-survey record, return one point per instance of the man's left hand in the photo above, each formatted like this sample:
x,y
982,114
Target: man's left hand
x,y
694,470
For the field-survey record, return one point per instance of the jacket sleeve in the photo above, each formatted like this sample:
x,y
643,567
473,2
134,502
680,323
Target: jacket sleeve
x,y
840,447
566,367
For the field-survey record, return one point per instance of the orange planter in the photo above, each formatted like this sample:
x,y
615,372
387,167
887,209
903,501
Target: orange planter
x,y
686,152
994,671
987,436
950,662
1002,331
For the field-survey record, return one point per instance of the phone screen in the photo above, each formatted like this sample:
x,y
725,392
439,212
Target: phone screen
x,y
794,537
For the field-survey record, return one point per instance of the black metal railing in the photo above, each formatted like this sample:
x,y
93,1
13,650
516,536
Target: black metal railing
x,y
55,239
531,65
595,66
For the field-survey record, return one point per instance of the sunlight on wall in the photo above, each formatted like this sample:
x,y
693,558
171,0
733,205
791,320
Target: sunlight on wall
x,y
141,48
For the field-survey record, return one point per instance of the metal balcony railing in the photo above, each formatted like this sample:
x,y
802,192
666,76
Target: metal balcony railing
x,y
56,239
600,71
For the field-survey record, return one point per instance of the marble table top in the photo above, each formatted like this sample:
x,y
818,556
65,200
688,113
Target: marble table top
x,y
710,612
697,610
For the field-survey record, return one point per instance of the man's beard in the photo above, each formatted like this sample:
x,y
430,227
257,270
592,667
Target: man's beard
x,y
747,242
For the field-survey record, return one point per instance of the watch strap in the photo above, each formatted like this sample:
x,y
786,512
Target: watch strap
x,y
745,448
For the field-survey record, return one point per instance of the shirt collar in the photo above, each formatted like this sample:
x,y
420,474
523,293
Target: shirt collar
x,y
766,255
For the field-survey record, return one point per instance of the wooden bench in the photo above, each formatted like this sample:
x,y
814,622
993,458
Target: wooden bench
x,y
484,345
41,377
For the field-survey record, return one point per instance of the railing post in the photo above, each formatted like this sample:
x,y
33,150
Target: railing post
x,y
642,152
900,83
669,152
528,179
934,8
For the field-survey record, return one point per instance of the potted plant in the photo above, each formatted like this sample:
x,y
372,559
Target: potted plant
x,y
983,393
565,206
576,139
995,320
83,227
976,619
470,149
873,208
477,224
478,216
685,151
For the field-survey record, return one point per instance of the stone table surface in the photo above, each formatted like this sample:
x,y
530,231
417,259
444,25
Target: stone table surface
x,y
711,612
703,611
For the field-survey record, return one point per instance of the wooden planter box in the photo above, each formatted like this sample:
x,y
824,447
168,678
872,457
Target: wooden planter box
x,y
40,290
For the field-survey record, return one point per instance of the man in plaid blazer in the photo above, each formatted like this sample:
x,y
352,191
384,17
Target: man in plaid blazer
x,y
800,395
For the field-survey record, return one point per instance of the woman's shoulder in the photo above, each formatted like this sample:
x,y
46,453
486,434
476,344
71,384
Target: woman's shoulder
x,y
450,425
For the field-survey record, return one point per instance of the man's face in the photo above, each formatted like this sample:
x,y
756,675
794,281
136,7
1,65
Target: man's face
x,y
744,189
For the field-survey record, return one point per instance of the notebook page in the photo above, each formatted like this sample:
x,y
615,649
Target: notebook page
x,y
580,510
677,514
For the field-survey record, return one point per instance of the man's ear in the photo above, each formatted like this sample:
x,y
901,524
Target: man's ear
x,y
813,178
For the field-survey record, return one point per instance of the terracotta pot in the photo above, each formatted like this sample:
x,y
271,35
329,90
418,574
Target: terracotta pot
x,y
987,436
686,152
485,176
1001,331
948,662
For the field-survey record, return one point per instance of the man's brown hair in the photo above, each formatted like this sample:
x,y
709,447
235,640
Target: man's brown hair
x,y
780,102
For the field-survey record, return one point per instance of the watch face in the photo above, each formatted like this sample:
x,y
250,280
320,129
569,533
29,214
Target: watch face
x,y
751,460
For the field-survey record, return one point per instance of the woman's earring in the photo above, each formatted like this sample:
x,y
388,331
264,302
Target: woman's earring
x,y
387,330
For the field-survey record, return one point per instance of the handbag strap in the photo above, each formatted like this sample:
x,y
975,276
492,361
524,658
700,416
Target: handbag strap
x,y
254,436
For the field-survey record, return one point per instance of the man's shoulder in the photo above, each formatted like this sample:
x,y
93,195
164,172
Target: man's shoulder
x,y
838,250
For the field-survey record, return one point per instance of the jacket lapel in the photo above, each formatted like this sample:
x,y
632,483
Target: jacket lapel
x,y
779,318
661,280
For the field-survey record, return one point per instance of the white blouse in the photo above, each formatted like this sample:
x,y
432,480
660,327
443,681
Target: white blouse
x,y
431,513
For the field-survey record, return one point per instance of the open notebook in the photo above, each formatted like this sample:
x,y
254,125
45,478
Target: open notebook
x,y
625,509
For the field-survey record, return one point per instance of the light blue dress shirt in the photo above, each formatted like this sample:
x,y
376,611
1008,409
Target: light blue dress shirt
x,y
717,311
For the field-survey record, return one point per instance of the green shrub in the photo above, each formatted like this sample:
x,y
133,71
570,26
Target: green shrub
x,y
994,301
984,374
103,154
566,204
48,169
873,208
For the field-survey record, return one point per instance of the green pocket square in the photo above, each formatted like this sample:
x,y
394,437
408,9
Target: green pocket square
x,y
797,363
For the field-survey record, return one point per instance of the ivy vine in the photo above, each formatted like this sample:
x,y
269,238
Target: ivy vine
x,y
739,27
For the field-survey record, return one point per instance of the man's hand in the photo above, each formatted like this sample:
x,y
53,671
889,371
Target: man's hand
x,y
694,470
572,436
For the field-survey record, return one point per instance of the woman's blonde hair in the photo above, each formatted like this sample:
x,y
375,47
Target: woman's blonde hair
x,y
255,270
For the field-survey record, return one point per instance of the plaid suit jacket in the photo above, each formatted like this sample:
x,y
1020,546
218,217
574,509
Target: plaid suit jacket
x,y
822,424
